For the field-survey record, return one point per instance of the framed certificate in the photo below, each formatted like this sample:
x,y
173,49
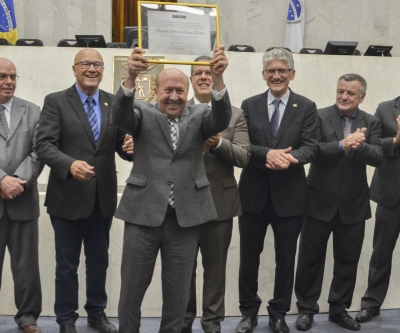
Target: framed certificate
x,y
178,28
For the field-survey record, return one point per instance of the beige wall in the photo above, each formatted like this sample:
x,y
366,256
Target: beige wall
x,y
49,70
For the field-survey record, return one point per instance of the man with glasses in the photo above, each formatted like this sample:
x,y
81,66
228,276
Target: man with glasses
x,y
283,136
76,140
19,197
337,203
222,152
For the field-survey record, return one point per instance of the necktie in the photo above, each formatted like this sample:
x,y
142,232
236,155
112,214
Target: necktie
x,y
91,114
275,120
3,120
346,126
174,139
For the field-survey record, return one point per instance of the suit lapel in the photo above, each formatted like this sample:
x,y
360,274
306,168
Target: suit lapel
x,y
396,108
290,110
163,121
77,105
336,122
262,111
105,106
17,111
358,121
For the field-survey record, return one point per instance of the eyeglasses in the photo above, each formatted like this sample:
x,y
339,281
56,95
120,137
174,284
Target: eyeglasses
x,y
87,64
200,73
281,71
12,77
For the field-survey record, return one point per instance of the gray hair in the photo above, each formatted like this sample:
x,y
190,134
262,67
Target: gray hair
x,y
201,58
355,77
280,54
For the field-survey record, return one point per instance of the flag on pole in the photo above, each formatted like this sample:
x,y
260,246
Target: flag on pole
x,y
8,24
294,33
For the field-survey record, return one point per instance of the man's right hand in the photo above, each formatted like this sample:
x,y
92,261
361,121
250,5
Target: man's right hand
x,y
280,159
136,64
11,187
396,139
81,170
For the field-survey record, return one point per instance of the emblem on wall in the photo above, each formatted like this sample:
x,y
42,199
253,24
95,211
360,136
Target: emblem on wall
x,y
145,82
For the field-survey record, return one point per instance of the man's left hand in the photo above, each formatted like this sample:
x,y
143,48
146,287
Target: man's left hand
x,y
220,62
128,144
213,141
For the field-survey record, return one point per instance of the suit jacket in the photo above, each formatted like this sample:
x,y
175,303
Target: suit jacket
x,y
18,158
298,129
385,182
157,164
339,180
234,151
64,135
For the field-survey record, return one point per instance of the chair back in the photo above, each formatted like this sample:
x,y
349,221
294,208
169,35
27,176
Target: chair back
x,y
241,48
29,42
311,51
3,41
67,43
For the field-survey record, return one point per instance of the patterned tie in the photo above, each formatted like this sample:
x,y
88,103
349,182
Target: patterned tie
x,y
346,126
275,120
3,120
174,138
91,114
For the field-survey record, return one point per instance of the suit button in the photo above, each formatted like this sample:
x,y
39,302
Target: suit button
x,y
8,145
9,164
169,182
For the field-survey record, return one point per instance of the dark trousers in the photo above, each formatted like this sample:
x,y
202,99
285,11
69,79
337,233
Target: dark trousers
x,y
21,239
347,244
386,233
69,235
252,233
215,237
178,247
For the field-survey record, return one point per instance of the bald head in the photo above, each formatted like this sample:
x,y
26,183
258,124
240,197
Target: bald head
x,y
8,80
172,87
88,69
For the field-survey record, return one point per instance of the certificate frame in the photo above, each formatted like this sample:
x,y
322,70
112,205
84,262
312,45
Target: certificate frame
x,y
142,5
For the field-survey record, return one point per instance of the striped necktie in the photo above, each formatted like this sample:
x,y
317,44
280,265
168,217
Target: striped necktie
x,y
174,139
346,126
3,120
91,114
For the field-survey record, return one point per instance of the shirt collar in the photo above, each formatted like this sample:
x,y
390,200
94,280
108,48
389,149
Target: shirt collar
x,y
351,116
8,105
284,99
84,97
196,101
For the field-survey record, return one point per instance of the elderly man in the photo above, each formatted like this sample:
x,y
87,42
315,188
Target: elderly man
x,y
385,191
337,203
167,195
76,140
283,136
224,151
19,197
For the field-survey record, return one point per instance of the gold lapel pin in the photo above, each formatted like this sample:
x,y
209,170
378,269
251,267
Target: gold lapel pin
x,y
295,105
105,103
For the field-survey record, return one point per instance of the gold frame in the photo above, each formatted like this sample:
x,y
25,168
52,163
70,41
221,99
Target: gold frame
x,y
178,62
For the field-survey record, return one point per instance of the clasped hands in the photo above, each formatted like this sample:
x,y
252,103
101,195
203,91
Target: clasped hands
x,y
280,159
354,140
396,139
213,141
11,187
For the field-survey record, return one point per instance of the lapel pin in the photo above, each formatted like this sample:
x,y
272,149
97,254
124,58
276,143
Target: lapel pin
x,y
295,105
105,103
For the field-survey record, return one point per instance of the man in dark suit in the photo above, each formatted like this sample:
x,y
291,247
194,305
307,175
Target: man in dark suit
x,y
337,202
283,137
76,140
385,191
19,197
223,152
167,195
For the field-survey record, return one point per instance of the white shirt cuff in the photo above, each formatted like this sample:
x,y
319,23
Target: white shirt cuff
x,y
218,95
219,144
128,92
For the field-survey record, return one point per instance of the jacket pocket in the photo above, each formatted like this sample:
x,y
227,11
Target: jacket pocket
x,y
136,180
226,183
202,182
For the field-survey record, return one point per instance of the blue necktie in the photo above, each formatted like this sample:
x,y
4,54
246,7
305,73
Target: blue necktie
x,y
91,114
275,120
